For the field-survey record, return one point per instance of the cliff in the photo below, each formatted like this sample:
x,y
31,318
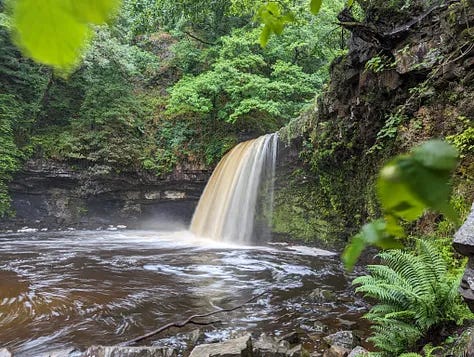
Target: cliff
x,y
399,84
49,194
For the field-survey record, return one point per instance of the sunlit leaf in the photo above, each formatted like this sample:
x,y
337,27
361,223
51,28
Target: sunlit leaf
x,y
315,6
392,226
56,32
94,11
432,187
272,16
350,3
265,36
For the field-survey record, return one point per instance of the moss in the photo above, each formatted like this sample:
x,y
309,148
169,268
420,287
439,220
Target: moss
x,y
322,209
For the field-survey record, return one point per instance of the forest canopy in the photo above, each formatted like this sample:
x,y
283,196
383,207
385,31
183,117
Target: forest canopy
x,y
164,83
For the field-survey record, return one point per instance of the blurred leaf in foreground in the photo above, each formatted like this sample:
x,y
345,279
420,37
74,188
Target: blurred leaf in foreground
x,y
274,18
406,187
56,32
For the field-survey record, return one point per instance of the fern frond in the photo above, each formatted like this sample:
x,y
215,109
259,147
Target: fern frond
x,y
415,292
395,336
387,274
411,267
432,257
388,294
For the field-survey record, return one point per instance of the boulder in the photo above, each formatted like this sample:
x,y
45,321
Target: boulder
x,y
5,353
344,339
336,351
267,346
293,338
120,351
237,347
464,244
195,337
358,352
319,327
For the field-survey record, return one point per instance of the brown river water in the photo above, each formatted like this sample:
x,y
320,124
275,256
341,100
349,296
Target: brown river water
x,y
79,288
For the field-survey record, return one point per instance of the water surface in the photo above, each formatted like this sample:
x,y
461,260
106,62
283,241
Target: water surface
x,y
81,288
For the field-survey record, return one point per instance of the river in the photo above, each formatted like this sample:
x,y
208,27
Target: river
x,y
78,288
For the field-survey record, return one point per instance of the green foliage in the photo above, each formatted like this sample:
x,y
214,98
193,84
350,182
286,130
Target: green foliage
x,y
315,6
274,20
56,32
379,64
415,295
245,82
406,187
464,141
9,154
276,15
120,110
22,86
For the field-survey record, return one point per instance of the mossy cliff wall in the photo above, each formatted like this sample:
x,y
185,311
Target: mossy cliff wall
x,y
394,89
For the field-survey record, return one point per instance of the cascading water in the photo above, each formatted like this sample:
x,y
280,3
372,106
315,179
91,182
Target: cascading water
x,y
228,205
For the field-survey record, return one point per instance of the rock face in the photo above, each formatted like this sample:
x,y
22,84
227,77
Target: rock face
x,y
341,344
464,244
237,347
264,346
344,339
55,195
358,352
267,346
117,351
403,91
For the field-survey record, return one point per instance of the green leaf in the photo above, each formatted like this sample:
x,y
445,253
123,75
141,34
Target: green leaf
x,y
352,251
395,196
271,15
393,227
411,183
436,155
373,233
315,6
94,11
350,3
265,36
56,32
432,187
5,21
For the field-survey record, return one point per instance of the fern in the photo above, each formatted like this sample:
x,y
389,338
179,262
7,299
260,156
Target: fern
x,y
415,293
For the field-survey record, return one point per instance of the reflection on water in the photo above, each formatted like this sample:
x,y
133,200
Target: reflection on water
x,y
81,288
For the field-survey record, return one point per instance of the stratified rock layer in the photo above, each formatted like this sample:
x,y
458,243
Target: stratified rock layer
x,y
56,195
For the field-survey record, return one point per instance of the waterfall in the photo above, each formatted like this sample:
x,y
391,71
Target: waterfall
x,y
228,205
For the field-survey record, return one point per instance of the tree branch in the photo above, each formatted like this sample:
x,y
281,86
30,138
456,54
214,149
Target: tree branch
x,y
199,39
189,320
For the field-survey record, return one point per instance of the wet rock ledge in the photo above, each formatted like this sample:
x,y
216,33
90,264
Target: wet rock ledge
x,y
339,344
49,194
